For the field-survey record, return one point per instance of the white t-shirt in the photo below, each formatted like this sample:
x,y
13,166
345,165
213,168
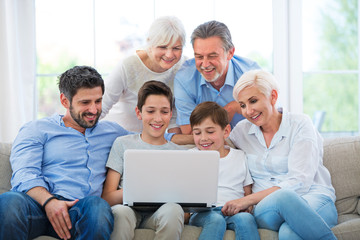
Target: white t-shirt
x,y
233,176
121,91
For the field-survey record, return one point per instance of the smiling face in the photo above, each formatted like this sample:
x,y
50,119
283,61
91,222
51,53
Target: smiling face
x,y
155,115
211,59
256,107
84,110
164,57
210,136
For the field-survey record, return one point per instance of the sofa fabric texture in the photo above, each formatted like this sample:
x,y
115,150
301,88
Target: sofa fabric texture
x,y
341,157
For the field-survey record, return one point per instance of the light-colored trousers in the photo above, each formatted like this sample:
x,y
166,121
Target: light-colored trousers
x,y
167,222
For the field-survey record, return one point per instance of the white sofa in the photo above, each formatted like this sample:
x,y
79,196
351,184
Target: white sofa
x,y
341,157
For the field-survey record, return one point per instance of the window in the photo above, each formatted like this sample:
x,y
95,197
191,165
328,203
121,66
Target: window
x,y
330,65
310,46
101,33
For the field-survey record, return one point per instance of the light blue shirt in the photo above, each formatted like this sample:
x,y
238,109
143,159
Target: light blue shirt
x,y
66,162
294,159
190,88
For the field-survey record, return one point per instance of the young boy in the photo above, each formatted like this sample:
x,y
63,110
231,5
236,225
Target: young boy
x,y
154,108
210,127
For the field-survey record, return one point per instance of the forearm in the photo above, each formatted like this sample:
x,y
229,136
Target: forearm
x,y
255,198
114,197
185,129
39,194
182,139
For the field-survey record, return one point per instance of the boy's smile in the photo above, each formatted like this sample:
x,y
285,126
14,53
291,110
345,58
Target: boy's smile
x,y
155,115
210,136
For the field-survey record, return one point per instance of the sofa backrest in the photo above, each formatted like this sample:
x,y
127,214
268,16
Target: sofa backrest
x,y
5,168
342,159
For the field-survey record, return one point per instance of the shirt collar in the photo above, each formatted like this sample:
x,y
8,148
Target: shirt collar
x,y
59,120
283,129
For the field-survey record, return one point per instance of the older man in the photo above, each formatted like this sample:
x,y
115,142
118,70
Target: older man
x,y
211,75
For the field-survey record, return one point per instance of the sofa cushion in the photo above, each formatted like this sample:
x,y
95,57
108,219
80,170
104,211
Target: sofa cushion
x,y
342,159
5,168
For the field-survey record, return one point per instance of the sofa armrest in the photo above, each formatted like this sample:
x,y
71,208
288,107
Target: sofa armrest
x,y
5,168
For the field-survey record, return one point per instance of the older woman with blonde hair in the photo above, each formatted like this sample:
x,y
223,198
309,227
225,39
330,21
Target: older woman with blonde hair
x,y
159,60
292,188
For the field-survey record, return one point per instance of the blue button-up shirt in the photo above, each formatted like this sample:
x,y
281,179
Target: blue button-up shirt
x,y
190,88
66,162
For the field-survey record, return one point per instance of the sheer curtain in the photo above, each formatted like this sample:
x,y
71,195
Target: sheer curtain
x,y
17,66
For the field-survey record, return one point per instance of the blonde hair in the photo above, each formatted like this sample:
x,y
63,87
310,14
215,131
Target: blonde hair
x,y
263,80
165,31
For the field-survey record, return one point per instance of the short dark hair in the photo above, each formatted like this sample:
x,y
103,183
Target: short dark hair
x,y
209,109
79,77
213,29
154,87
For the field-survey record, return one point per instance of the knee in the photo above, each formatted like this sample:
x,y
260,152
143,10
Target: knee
x,y
96,209
284,197
215,218
13,208
11,202
171,210
245,218
123,213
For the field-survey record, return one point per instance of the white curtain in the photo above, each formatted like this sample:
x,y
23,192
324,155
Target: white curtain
x,y
17,66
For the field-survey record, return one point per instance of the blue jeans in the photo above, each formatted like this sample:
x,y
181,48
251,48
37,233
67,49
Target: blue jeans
x,y
214,224
23,218
295,217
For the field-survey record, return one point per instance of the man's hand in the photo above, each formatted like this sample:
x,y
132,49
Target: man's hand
x,y
57,212
232,108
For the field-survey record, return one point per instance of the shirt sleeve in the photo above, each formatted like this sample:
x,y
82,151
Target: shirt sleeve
x,y
26,160
248,178
115,86
116,156
168,136
303,159
184,101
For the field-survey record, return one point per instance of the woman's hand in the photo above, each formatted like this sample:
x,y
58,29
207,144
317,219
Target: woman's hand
x,y
235,206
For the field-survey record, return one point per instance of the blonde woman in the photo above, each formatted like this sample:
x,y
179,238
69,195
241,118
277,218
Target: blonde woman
x,y
292,188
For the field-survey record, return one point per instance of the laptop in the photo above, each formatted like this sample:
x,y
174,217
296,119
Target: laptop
x,y
154,177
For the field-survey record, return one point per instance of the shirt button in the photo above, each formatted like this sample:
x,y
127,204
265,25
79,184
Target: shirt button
x,y
88,152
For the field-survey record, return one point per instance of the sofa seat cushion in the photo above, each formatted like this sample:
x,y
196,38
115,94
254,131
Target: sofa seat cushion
x,y
347,230
342,159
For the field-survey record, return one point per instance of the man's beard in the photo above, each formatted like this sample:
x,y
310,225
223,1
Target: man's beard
x,y
214,79
78,118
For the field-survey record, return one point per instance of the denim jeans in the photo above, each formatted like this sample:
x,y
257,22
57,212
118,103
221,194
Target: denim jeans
x,y
308,217
214,225
23,218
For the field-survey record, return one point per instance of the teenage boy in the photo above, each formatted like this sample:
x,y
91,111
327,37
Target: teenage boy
x,y
154,108
210,127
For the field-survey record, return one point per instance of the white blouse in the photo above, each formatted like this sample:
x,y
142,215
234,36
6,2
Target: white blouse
x,y
121,90
292,161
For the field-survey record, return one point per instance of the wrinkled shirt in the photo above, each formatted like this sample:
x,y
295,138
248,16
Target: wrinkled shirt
x,y
293,160
191,88
64,161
